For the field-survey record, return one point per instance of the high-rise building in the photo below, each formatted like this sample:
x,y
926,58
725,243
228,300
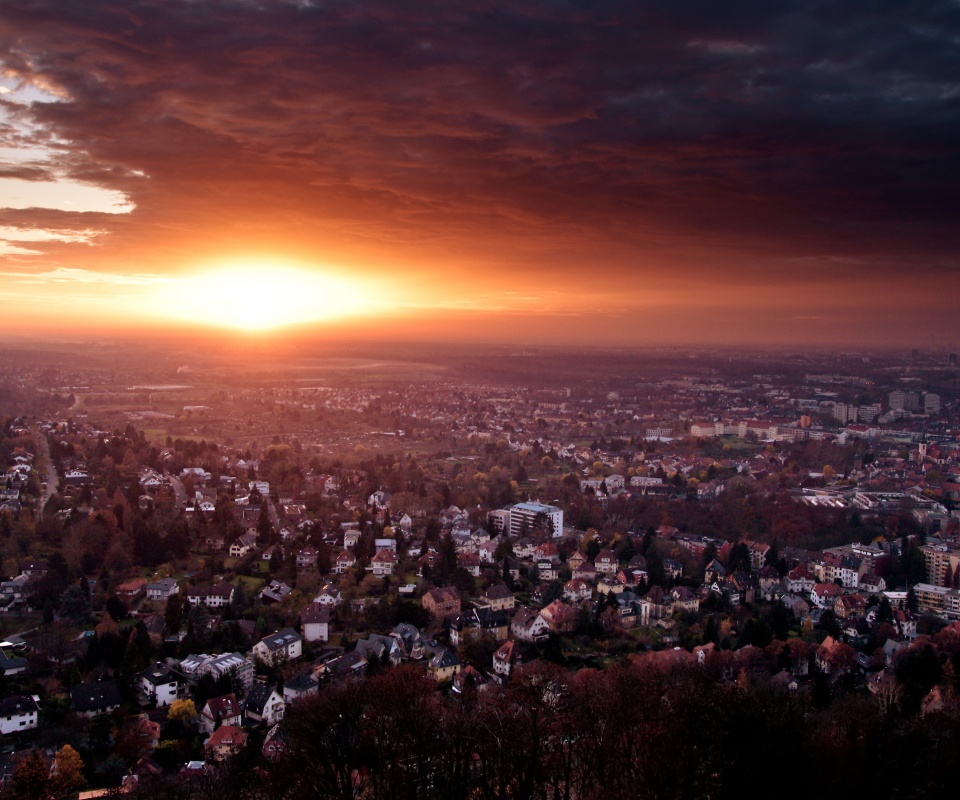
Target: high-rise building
x,y
903,400
931,403
845,412
528,517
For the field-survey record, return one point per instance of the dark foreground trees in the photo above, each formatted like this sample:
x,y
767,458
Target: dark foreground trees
x,y
627,731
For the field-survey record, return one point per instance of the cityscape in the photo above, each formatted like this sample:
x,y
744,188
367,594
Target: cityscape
x,y
519,401
204,569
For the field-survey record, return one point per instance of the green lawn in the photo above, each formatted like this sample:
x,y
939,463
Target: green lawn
x,y
250,584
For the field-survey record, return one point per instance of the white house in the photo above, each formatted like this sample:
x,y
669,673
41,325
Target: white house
x,y
529,626
18,713
382,563
264,704
162,684
329,596
285,645
211,596
315,620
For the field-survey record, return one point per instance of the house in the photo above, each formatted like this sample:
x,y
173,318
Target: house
x,y
631,577
608,584
429,561
18,713
143,730
301,685
264,704
487,551
654,605
800,581
577,590
478,621
383,563
470,562
444,666
714,572
10,664
684,600
315,621
504,658
385,649
850,605
307,557
586,571
511,566
547,570
233,664
546,550
758,554
32,568
410,640
559,616
344,562
672,569
442,603
224,742
824,595
796,605
282,646
576,561
499,597
12,590
528,626
605,563
132,590
162,684
220,711
93,699
627,604
243,545
329,596
524,547
162,589
275,592
835,657
211,596
268,554
872,584
469,676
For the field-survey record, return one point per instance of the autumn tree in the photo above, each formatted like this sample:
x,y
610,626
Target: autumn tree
x,y
182,711
30,779
67,777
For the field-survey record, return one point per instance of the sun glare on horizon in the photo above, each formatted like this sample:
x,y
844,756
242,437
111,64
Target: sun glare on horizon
x,y
263,297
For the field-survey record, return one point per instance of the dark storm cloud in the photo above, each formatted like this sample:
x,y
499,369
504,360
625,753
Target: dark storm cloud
x,y
552,132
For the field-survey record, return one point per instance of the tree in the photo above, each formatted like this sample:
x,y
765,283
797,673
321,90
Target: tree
x,y
116,608
173,614
264,526
182,711
67,772
504,549
323,752
75,604
30,779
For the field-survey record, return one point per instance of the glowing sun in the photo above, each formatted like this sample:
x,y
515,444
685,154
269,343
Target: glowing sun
x,y
258,297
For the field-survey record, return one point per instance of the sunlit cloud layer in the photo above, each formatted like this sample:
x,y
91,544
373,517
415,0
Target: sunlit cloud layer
x,y
746,171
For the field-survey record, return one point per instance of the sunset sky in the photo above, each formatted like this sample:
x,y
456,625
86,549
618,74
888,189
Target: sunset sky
x,y
599,172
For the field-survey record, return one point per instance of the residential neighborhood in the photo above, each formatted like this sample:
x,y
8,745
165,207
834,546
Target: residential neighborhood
x,y
203,598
